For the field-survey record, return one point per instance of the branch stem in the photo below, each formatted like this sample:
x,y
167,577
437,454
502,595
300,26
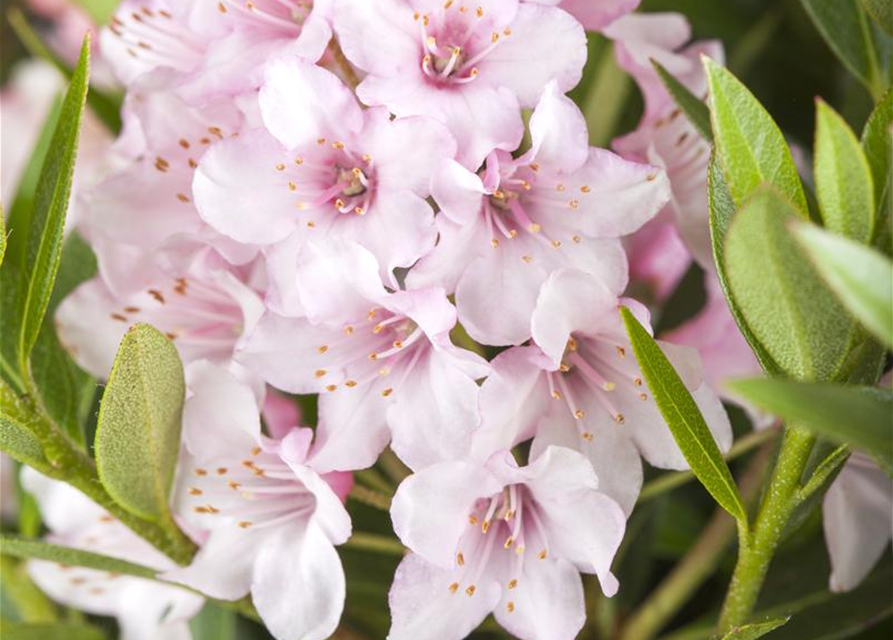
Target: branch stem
x,y
758,548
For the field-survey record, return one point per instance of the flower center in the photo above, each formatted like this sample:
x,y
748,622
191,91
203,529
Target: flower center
x,y
593,364
510,523
256,492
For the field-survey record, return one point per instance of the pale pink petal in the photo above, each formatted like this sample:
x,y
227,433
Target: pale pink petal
x,y
302,102
545,44
240,191
280,413
570,301
379,37
448,398
547,604
220,415
856,513
513,399
457,246
430,509
422,605
221,568
457,192
611,451
558,132
298,585
595,15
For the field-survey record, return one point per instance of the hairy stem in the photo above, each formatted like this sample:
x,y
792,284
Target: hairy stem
x,y
699,563
758,548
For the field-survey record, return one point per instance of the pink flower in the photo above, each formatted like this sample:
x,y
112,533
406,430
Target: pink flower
x,y
204,309
583,389
142,212
144,609
329,168
272,520
503,539
379,359
594,15
658,258
856,514
561,204
664,136
469,66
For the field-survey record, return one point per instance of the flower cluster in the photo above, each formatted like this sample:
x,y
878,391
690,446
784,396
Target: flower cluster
x,y
312,197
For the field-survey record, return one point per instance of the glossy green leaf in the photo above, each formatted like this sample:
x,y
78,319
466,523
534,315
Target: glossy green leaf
x,y
44,248
750,147
844,186
40,550
877,141
858,416
693,107
722,209
755,630
847,30
861,277
684,420
138,434
881,12
786,305
50,631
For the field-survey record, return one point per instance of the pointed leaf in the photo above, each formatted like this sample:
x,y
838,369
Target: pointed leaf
x,y
877,140
40,550
685,420
861,277
785,303
693,107
44,247
722,208
138,433
750,147
859,416
755,629
848,32
844,185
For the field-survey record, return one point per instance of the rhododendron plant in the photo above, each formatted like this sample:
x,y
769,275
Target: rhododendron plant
x,y
438,319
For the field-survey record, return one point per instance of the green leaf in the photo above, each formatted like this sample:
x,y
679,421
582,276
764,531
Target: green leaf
x,y
50,631
39,550
722,209
878,146
16,437
684,420
858,416
51,204
881,12
750,147
848,32
66,390
844,185
861,277
755,629
787,306
693,107
138,434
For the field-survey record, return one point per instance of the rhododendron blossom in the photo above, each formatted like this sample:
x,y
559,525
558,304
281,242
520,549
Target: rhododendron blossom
x,y
503,539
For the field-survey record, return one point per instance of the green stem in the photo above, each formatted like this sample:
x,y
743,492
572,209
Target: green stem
x,y
376,543
758,548
370,497
698,564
